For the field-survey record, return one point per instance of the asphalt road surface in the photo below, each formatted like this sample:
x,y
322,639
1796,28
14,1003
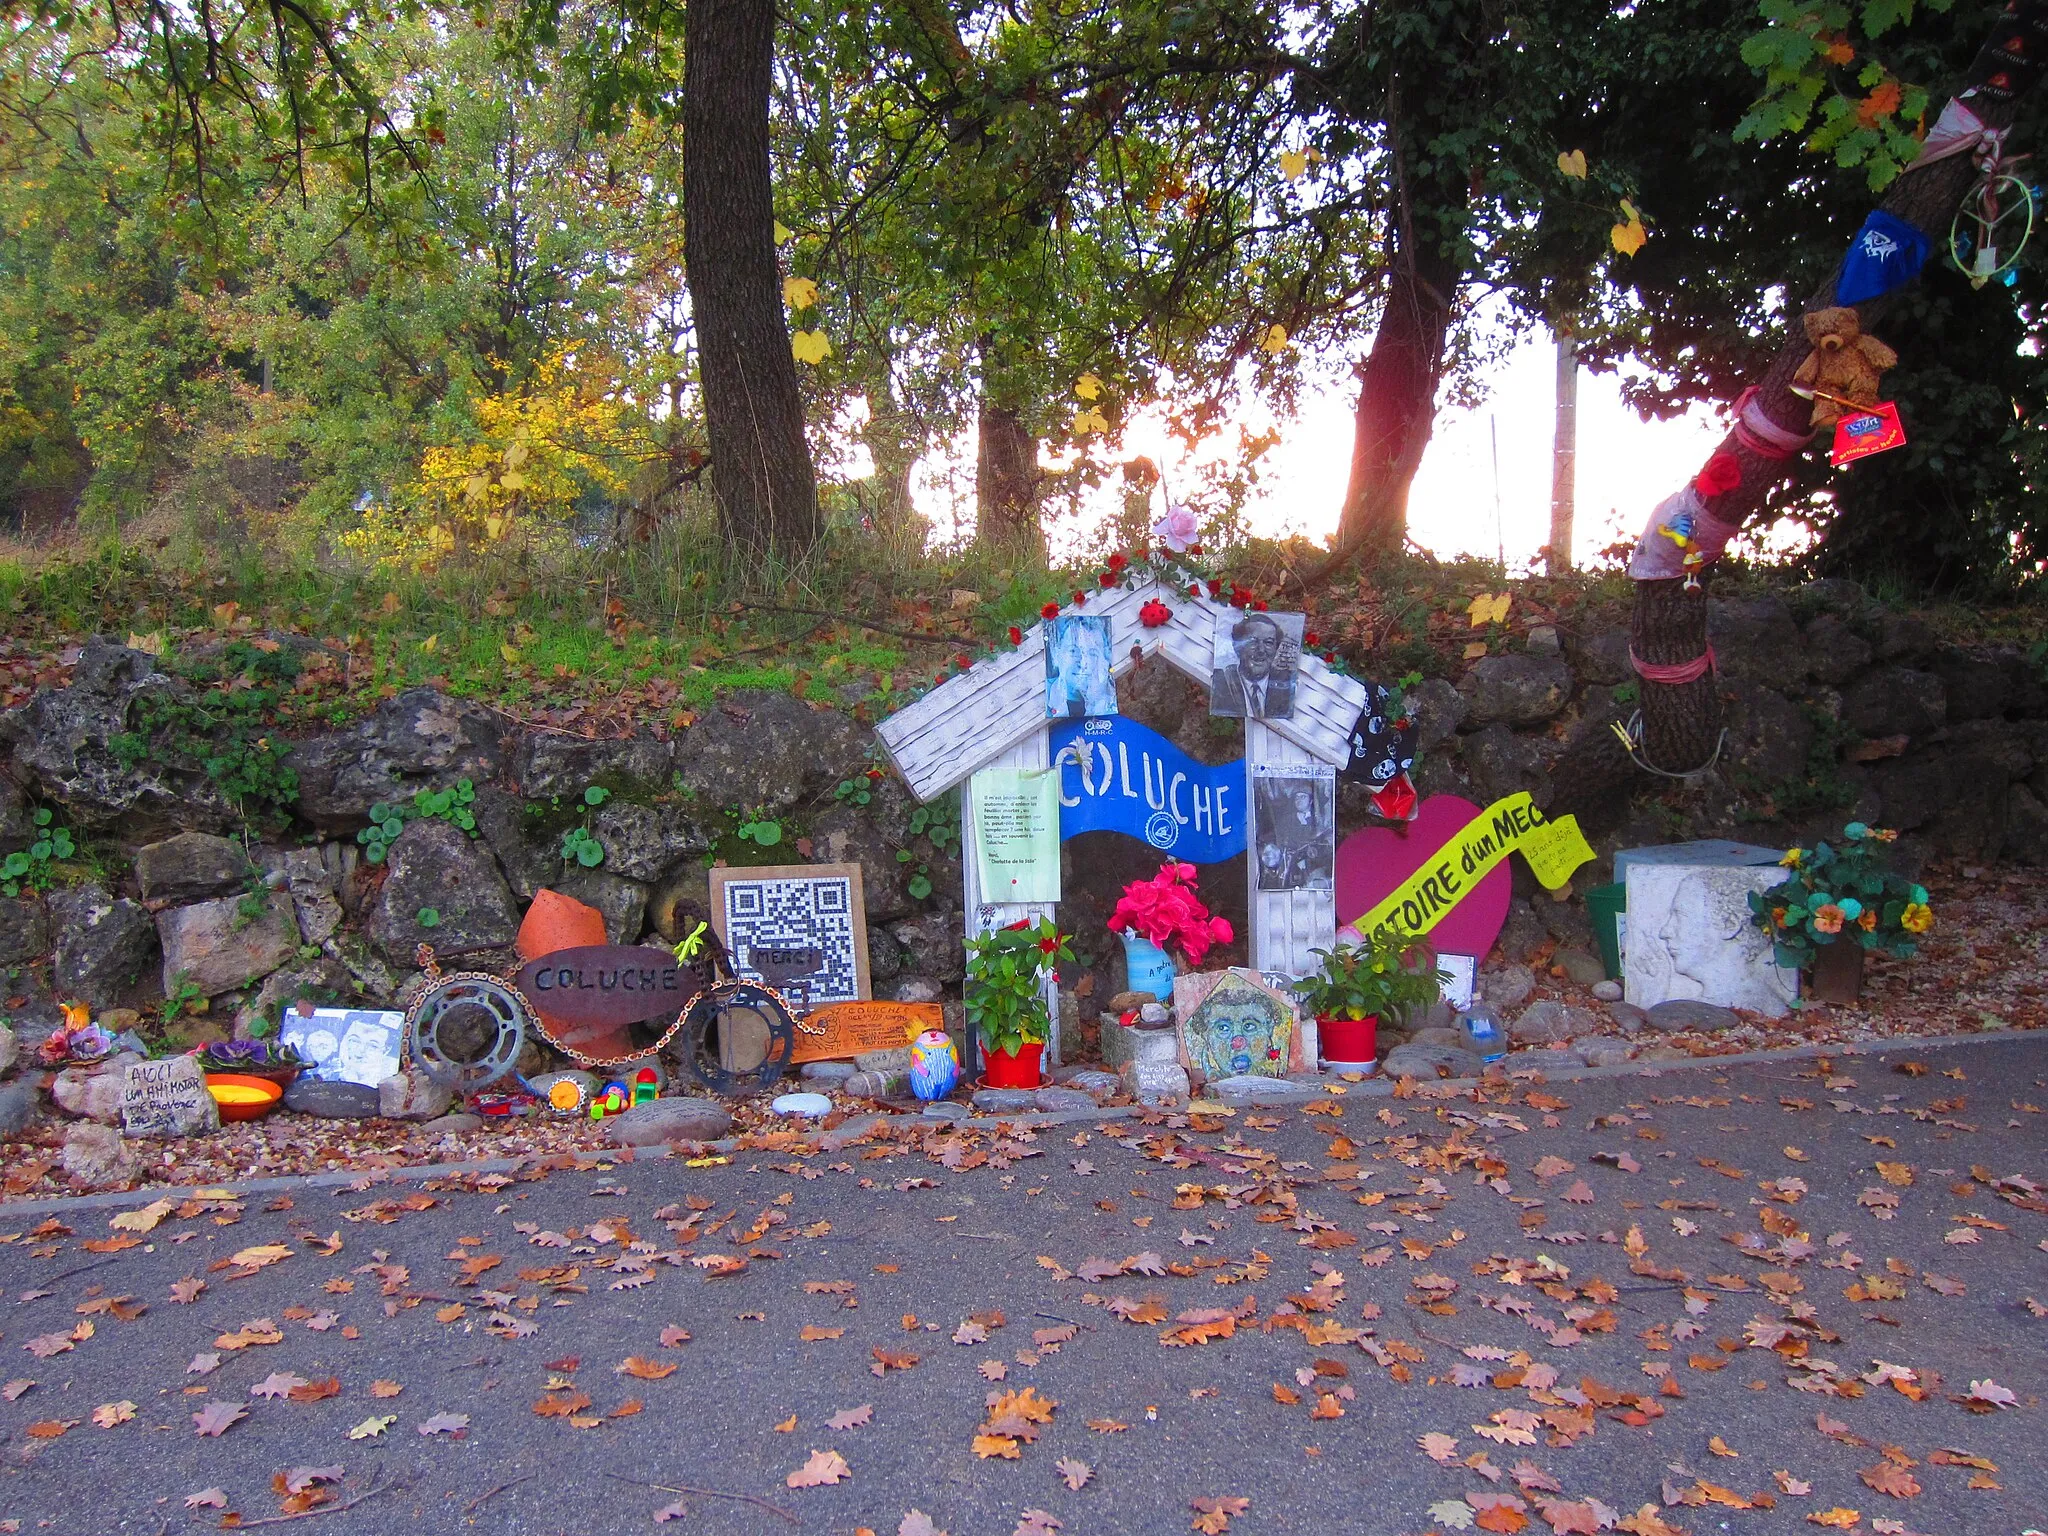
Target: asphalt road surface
x,y
1764,1293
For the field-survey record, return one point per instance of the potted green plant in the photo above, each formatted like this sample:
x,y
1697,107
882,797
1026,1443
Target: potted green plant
x,y
1358,984
266,1059
1837,903
1006,974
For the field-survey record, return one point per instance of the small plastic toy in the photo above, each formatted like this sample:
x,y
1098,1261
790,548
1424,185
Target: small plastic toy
x,y
934,1065
646,1086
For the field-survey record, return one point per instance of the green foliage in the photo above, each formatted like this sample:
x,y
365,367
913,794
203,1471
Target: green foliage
x,y
184,997
760,829
429,917
31,867
580,847
1837,893
854,791
1378,978
388,817
596,795
222,724
1006,975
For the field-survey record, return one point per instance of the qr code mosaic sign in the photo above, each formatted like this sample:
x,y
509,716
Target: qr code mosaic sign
x,y
798,928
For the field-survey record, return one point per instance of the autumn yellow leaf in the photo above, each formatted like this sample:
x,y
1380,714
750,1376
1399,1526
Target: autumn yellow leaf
x,y
1293,164
1275,339
1088,421
143,1220
799,292
261,1255
1628,236
1837,1518
1490,608
1573,163
824,1468
510,653
810,346
986,1446
1897,1174
1087,387
512,480
646,1370
107,1415
783,233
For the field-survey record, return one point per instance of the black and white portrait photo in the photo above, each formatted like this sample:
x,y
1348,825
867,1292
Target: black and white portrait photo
x,y
1077,680
1294,829
1252,670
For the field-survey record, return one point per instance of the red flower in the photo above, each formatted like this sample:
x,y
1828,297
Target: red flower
x,y
1239,598
1048,946
1258,605
938,677
963,662
1215,587
1049,611
874,773
1722,474
1118,561
1194,549
1311,639
1080,599
1107,578
1194,589
1330,657
1154,614
1016,635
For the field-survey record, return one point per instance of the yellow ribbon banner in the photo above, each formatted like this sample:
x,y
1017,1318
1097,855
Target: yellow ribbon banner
x,y
1553,848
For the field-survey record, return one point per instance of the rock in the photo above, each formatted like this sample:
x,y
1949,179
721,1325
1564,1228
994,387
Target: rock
x,y
1502,763
2026,827
916,989
367,973
190,866
1157,1084
1834,652
1579,967
1607,991
434,867
870,835
1508,987
933,945
1438,710
460,1124
1516,689
1002,1101
411,1095
1154,1016
766,749
1058,1100
1896,700
587,1082
1602,658
420,739
1975,687
1099,1086
103,943
1628,1018
1274,1091
1768,735
167,1098
664,1120
809,1105
885,955
24,930
826,1071
1546,1022
312,883
849,1131
895,1058
946,1109
1423,1061
60,742
322,982
1686,1013
95,1154
1755,640
1124,1002
224,944
623,902
331,1101
1542,640
18,1104
94,1092
10,1047
550,767
646,842
1454,1039
1522,934
1549,1058
17,826
882,1083
1904,637
1653,1053
1599,1051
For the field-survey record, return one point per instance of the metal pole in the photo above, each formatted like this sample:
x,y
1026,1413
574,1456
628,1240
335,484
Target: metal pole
x,y
1564,455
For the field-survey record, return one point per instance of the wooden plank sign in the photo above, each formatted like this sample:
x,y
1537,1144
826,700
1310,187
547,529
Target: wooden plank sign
x,y
597,985
851,1028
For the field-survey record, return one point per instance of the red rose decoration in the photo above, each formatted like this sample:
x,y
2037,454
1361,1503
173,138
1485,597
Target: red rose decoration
x,y
1215,587
1154,614
1258,605
1311,639
1722,475
1194,589
963,662
1194,549
1117,562
1016,635
1080,599
1049,611
1107,578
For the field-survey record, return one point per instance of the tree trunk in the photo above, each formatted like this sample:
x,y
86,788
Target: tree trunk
x,y
1006,482
1564,457
1396,409
761,474
1682,721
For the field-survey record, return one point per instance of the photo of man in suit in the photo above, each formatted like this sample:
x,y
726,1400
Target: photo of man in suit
x,y
1252,676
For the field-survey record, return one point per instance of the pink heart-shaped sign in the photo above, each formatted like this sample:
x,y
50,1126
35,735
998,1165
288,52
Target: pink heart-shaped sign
x,y
1372,863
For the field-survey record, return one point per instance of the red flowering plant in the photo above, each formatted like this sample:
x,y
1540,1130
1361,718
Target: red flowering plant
x,y
1006,974
1167,911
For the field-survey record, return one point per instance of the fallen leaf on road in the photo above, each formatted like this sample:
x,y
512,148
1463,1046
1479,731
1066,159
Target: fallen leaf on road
x,y
1074,1472
186,1291
277,1384
207,1498
261,1255
1107,1426
203,1365
372,1427
1837,1518
445,1424
382,1388
672,1336
917,1523
48,1344
851,1418
824,1468
644,1369
1985,1396
143,1220
15,1388
50,1429
810,1333
214,1418
1213,1515
107,1415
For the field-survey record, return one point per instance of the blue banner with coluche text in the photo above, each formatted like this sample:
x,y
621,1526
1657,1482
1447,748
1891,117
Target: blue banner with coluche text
x,y
1119,776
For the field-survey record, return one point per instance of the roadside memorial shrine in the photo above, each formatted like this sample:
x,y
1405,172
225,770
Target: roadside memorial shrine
x,y
1114,774
856,1028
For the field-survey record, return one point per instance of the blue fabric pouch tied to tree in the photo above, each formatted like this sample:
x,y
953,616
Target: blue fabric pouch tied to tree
x,y
1887,253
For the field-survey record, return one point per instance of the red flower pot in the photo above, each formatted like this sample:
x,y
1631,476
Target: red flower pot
x,y
1002,1069
1352,1042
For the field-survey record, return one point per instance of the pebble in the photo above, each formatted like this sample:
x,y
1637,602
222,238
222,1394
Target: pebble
x,y
945,1109
1686,1013
18,1105
1599,1051
1548,1023
1422,1061
331,1101
1579,966
456,1124
826,1071
1054,1100
681,1119
810,1104
1097,1084
1003,1101
1607,991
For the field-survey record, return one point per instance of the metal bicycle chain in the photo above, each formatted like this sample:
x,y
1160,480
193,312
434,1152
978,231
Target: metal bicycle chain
x,y
435,977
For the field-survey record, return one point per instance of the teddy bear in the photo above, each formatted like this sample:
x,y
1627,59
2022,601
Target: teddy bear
x,y
1844,363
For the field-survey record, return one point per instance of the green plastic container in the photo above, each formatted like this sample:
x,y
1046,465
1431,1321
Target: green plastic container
x,y
1605,904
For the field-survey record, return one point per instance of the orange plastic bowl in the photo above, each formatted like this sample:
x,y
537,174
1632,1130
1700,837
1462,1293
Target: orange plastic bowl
x,y
243,1098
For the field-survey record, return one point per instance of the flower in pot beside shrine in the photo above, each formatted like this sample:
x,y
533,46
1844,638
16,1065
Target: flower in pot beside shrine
x,y
1834,893
250,1058
1166,911
1006,975
1357,985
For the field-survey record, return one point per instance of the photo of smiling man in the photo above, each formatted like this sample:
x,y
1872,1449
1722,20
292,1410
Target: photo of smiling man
x,y
1252,676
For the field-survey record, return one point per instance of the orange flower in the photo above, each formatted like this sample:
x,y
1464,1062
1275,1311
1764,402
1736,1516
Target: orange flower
x,y
1828,919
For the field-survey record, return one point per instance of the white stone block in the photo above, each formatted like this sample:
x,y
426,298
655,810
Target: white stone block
x,y
1690,937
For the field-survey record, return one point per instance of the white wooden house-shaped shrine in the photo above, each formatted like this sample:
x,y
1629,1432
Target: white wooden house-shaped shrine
x,y
993,716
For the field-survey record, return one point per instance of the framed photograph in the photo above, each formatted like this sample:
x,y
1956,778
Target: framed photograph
x,y
1077,667
1253,663
799,928
346,1045
1294,826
